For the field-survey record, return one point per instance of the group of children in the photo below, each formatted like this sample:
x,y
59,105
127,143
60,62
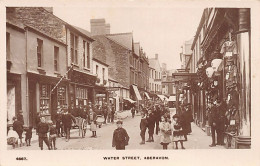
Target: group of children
x,y
170,130
16,132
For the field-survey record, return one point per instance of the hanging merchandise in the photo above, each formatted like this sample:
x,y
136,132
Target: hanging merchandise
x,y
229,48
217,64
227,76
209,72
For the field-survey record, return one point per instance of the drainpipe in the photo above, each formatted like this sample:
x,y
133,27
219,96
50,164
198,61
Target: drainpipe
x,y
26,75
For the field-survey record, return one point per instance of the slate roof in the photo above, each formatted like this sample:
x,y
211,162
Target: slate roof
x,y
124,39
154,63
85,32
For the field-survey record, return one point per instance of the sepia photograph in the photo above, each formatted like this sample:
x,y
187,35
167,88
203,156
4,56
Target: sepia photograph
x,y
145,78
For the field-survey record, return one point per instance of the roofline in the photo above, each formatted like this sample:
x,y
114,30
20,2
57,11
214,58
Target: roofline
x,y
202,20
99,61
88,37
113,34
44,34
117,43
15,26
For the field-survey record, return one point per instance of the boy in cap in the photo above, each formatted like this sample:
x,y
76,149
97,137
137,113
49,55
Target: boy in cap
x,y
120,137
52,136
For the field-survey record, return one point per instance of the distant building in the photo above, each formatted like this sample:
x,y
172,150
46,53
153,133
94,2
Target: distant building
x,y
155,79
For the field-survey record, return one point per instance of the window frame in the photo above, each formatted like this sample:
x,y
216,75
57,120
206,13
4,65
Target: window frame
x,y
39,50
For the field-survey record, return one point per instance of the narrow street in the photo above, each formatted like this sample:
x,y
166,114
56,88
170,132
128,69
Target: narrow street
x,y
197,140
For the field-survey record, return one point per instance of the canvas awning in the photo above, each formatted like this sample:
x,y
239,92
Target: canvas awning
x,y
130,100
138,96
147,96
162,97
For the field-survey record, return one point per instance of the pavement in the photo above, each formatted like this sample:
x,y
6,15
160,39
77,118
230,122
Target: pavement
x,y
197,140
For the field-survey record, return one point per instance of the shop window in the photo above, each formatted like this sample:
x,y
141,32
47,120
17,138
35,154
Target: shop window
x,y
56,58
8,46
61,90
44,99
81,96
39,52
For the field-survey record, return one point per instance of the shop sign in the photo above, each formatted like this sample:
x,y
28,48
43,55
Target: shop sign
x,y
100,95
112,89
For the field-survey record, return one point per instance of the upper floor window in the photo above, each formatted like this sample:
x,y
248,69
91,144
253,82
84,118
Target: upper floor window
x,y
74,48
84,53
88,55
103,73
97,70
39,52
7,46
56,58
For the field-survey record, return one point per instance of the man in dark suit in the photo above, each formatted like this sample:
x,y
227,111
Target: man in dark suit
x,y
67,119
221,121
212,119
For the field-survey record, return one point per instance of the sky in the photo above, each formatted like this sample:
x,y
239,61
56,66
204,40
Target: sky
x,y
161,28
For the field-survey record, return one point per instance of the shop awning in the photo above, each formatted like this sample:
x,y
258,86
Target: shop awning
x,y
162,97
130,100
147,96
138,96
172,98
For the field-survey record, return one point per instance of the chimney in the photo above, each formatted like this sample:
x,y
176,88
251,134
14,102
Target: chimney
x,y
49,9
98,26
156,56
107,26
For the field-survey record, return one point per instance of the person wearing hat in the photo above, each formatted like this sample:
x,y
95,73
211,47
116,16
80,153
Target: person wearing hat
x,y
67,119
18,127
212,119
120,137
52,136
43,129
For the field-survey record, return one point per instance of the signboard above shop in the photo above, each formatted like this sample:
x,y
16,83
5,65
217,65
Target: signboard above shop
x,y
100,95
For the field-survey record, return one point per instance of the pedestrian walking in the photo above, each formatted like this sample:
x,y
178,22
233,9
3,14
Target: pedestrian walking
x,y
43,129
18,127
120,137
185,123
92,118
178,135
143,127
113,110
133,111
52,136
28,136
109,113
104,110
67,120
157,115
165,132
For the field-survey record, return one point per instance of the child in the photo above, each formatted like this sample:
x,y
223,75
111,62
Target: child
x,y
28,136
143,126
165,131
12,138
120,137
177,131
43,129
18,127
52,136
92,117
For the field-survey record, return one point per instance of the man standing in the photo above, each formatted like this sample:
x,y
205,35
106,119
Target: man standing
x,y
67,122
143,126
104,110
120,137
43,129
221,121
112,113
151,124
212,123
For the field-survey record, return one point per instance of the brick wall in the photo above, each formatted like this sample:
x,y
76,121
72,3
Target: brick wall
x,y
40,19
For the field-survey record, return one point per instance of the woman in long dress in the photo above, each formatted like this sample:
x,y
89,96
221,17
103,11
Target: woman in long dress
x,y
165,132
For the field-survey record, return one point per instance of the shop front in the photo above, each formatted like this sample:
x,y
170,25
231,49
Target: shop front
x,y
101,95
44,97
81,88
